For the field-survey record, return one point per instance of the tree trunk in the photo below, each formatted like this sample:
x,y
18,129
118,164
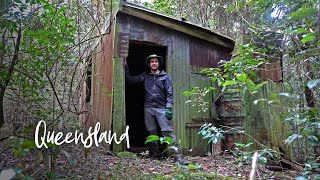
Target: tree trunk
x,y
307,91
10,71
1,108
309,97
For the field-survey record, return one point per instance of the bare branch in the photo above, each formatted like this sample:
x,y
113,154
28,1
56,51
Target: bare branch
x,y
15,57
54,90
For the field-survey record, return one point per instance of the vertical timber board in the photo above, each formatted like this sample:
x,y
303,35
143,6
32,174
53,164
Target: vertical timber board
x,y
196,142
179,56
196,110
206,54
118,103
93,85
107,71
120,52
197,145
102,78
263,121
253,123
98,83
278,128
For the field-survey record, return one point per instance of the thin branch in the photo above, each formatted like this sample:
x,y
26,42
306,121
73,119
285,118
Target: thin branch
x,y
54,91
3,46
254,166
15,57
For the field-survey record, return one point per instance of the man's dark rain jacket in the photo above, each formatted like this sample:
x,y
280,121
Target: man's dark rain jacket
x,y
158,88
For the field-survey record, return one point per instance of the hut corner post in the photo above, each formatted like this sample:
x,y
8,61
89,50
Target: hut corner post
x,y
118,119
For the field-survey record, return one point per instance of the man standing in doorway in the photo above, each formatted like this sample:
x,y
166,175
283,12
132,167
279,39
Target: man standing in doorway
x,y
158,103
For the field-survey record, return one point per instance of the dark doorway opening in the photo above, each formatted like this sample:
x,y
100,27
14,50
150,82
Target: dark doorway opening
x,y
138,52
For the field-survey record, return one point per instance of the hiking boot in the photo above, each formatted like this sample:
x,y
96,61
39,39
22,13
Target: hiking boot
x,y
180,160
154,147
154,150
154,157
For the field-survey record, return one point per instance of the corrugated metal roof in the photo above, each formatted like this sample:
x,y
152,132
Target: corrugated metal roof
x,y
197,30
132,5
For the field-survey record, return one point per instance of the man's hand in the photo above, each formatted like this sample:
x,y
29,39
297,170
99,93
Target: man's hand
x,y
169,113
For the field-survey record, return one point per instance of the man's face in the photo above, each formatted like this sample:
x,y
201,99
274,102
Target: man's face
x,y
154,64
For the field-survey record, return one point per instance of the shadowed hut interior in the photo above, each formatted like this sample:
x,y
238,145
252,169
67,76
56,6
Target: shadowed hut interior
x,y
138,52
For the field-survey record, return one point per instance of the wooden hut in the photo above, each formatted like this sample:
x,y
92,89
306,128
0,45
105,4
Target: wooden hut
x,y
133,33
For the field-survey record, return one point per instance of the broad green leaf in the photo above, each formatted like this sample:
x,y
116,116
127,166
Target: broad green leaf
x,y
213,139
307,37
239,145
211,88
204,71
29,144
303,13
275,101
182,166
48,7
186,174
194,166
260,85
301,178
259,100
167,140
303,120
284,94
262,160
251,86
230,8
273,96
313,139
249,144
228,82
152,138
267,152
305,172
231,90
174,148
311,84
300,30
186,93
242,77
291,138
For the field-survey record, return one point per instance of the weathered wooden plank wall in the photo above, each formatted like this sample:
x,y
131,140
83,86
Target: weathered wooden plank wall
x,y
263,121
206,54
102,82
272,71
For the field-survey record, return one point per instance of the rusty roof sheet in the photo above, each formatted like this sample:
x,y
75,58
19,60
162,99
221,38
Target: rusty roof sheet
x,y
128,7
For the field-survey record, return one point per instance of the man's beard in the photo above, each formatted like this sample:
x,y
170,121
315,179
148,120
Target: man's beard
x,y
154,68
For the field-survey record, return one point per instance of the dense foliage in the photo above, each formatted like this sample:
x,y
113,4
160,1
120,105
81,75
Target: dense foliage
x,y
266,32
44,45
